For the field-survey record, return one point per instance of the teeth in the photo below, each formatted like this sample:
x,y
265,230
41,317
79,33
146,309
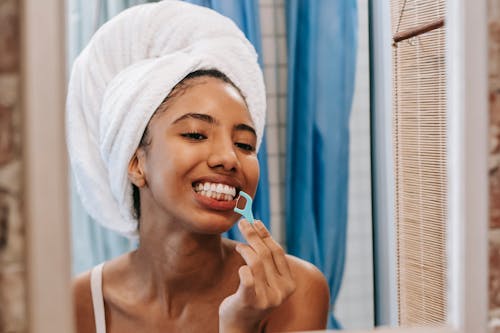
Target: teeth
x,y
216,191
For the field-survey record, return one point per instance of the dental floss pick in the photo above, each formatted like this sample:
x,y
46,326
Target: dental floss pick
x,y
247,210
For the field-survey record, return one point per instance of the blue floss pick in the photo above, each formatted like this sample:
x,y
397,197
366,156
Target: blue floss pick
x,y
247,210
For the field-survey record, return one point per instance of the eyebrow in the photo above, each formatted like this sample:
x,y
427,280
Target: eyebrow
x,y
243,127
211,120
199,116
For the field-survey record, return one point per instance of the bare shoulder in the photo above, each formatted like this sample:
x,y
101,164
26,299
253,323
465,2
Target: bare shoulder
x,y
308,277
312,286
307,308
82,303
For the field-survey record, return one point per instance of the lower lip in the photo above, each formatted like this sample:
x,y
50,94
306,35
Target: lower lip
x,y
215,204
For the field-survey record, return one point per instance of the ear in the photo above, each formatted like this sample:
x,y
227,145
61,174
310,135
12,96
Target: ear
x,y
136,172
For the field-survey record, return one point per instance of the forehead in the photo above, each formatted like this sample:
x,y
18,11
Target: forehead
x,y
207,95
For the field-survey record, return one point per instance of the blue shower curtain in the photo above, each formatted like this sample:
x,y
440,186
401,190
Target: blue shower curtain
x,y
322,40
245,13
91,243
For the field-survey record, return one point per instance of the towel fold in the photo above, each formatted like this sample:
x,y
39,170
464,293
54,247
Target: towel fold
x,y
129,66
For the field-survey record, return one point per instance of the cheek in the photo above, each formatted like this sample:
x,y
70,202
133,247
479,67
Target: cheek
x,y
169,166
252,173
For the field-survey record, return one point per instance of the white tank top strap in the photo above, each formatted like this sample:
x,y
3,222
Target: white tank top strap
x,y
97,298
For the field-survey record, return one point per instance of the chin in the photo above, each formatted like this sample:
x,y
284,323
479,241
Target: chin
x,y
214,223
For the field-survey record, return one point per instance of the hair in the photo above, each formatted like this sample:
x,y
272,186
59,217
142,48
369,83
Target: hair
x,y
179,89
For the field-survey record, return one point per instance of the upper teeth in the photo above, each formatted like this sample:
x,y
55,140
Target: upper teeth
x,y
215,188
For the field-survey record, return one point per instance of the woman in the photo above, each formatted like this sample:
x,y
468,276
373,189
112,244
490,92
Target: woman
x,y
172,173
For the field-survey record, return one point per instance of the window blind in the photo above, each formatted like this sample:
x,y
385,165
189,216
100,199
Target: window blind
x,y
419,137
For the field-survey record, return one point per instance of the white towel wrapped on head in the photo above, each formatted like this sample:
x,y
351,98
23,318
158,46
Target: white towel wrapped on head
x,y
128,68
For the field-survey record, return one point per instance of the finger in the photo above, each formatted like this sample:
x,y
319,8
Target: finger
x,y
253,292
278,254
252,237
256,268
263,252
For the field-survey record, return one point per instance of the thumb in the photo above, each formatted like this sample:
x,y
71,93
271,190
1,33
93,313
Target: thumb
x,y
243,295
246,289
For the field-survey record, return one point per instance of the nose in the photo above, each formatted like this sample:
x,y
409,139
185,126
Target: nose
x,y
223,156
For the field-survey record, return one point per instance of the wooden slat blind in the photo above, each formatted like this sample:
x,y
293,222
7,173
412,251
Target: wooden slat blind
x,y
419,132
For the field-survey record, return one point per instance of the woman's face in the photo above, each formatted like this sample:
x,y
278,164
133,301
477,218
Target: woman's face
x,y
201,154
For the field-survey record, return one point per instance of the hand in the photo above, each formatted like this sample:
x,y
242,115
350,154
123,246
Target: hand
x,y
265,281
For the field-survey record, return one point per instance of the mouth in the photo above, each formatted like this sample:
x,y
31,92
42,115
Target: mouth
x,y
216,191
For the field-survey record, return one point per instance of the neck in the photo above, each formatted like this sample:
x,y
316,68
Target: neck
x,y
177,263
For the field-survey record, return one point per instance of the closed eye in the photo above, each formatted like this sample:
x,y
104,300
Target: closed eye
x,y
195,136
245,146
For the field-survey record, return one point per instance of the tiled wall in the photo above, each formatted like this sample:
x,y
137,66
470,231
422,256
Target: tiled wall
x,y
494,163
13,313
272,16
354,306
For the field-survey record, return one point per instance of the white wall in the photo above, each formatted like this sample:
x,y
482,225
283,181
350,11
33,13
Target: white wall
x,y
354,308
